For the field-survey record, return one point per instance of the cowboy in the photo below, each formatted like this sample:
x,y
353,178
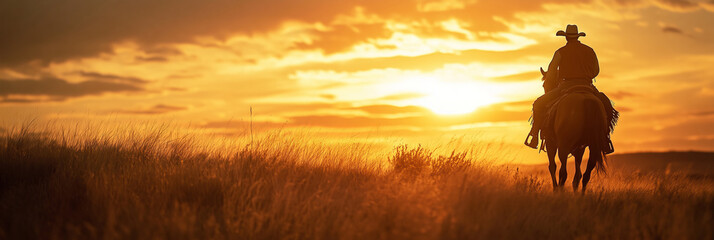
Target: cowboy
x,y
573,64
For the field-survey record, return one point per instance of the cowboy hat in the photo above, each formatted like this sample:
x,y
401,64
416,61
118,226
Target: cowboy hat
x,y
570,31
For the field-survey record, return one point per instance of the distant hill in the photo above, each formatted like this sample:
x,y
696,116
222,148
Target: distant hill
x,y
690,163
687,162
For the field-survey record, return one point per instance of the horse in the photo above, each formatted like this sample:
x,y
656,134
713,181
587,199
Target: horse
x,y
580,121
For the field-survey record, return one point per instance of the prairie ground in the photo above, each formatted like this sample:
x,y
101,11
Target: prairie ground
x,y
278,187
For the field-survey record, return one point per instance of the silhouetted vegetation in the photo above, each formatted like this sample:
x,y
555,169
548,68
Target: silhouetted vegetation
x,y
278,187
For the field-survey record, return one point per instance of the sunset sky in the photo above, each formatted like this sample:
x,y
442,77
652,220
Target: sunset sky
x,y
387,67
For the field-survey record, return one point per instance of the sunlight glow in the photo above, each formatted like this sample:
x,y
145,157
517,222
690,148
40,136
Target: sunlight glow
x,y
449,98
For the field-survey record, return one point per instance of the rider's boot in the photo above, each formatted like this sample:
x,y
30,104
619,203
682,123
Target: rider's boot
x,y
535,128
609,148
533,135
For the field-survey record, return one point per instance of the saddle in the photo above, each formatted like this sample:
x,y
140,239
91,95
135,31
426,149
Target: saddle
x,y
549,117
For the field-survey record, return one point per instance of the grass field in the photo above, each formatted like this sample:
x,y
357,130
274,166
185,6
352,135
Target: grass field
x,y
158,185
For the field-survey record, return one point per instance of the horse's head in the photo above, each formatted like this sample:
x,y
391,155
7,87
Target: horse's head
x,y
547,85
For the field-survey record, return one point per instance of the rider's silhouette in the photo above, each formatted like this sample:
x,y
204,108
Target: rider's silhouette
x,y
573,64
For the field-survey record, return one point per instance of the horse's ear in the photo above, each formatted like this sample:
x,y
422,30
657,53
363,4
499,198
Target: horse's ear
x,y
542,72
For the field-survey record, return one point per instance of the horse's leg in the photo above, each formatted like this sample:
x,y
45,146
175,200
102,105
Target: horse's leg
x,y
563,155
552,150
592,160
578,155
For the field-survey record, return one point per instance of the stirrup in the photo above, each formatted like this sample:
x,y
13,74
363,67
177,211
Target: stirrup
x,y
610,148
534,142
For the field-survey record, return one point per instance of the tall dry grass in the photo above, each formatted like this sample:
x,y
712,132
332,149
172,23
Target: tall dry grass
x,y
160,185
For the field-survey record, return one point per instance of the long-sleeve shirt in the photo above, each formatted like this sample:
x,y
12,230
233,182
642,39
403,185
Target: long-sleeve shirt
x,y
574,61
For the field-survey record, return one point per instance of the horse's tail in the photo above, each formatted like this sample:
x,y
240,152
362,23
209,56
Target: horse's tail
x,y
596,132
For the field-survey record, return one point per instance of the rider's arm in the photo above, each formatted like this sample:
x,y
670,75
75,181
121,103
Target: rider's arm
x,y
595,66
552,74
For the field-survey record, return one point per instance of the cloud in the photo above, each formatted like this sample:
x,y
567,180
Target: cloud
x,y
703,113
156,109
621,95
44,31
442,5
525,76
427,62
55,89
677,5
29,99
342,38
283,107
671,29
423,121
628,3
163,51
670,5
151,59
390,109
422,118
328,96
402,96
692,128
709,6
241,124
623,109
111,77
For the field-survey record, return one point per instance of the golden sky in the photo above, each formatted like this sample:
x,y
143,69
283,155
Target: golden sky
x,y
396,67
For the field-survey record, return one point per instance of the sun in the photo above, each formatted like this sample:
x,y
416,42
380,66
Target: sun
x,y
452,98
